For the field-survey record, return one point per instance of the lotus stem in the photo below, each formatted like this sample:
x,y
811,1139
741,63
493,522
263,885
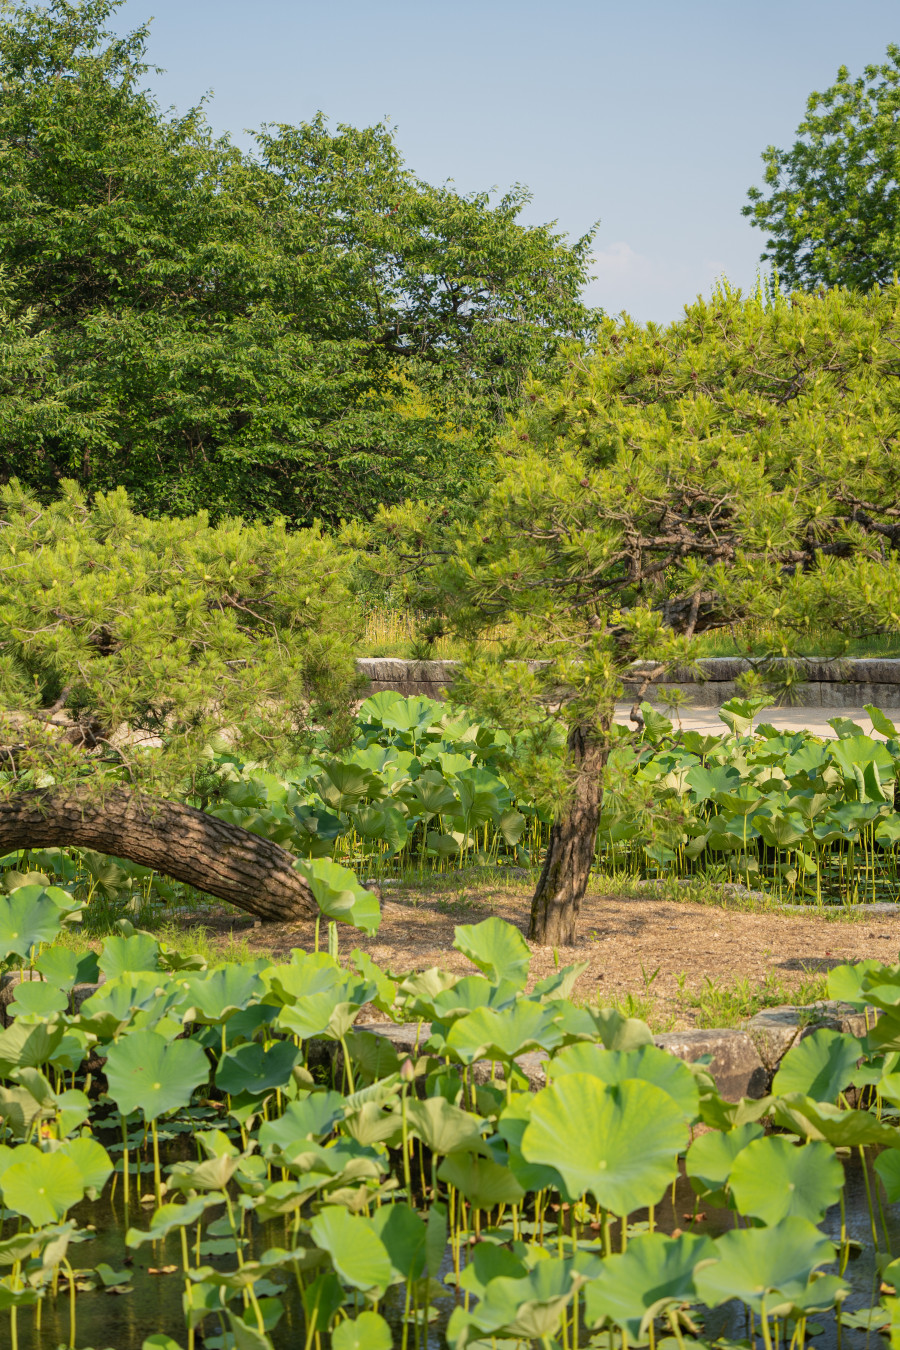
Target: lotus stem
x,y
865,1171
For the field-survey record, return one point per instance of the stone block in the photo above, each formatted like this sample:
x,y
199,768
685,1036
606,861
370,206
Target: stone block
x,y
774,1030
735,1064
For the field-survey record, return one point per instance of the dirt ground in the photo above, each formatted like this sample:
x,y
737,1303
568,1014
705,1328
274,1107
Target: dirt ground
x,y
675,963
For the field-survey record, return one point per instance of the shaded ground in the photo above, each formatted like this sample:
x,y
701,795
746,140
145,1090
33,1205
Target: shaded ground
x,y
675,962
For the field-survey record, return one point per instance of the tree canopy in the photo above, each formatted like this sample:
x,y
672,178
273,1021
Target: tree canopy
x,y
831,203
740,463
128,645
304,330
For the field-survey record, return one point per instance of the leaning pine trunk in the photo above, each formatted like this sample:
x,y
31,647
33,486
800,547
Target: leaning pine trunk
x,y
178,841
570,853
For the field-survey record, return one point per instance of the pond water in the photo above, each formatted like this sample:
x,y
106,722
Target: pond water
x,y
153,1302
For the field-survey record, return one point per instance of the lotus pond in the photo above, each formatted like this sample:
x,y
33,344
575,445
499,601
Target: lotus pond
x,y
425,788
225,1156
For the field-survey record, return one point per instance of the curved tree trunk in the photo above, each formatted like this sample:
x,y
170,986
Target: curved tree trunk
x,y
224,860
570,853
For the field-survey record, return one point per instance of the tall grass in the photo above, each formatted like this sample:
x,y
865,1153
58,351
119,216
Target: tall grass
x,y
396,632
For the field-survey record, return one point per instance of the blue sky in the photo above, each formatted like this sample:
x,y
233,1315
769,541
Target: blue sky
x,y
649,115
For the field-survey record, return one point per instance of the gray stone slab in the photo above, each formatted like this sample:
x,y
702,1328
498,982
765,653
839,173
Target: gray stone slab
x,y
735,1062
774,1030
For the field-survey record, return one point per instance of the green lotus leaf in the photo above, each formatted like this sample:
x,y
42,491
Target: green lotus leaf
x,y
773,1178
367,1331
212,997
28,1045
484,1183
64,968
443,1127
41,1186
92,1160
147,1073
818,1066
404,1235
128,955
28,917
887,1165
841,1128
511,1126
169,1217
711,1156
655,1273
769,1269
529,1308
503,1034
471,992
846,983
339,894
359,1256
37,1001
496,948
621,1033
122,1002
310,1117
647,1062
620,1142
255,1069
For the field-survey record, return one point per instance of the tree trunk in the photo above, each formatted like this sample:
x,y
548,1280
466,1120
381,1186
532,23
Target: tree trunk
x,y
178,841
570,853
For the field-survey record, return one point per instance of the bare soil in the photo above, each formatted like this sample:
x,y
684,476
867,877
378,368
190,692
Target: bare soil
x,y
668,955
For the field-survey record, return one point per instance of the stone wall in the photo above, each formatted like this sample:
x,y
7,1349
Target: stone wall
x,y
847,683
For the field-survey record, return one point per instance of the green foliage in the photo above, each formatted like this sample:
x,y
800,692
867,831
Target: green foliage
x,y
300,1185
831,201
133,643
305,330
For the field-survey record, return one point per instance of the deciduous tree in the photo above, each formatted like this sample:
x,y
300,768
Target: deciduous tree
x,y
831,203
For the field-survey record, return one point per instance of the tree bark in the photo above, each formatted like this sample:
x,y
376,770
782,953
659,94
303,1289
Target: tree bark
x,y
178,841
556,903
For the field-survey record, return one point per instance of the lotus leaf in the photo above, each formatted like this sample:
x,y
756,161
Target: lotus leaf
x,y
484,1183
773,1178
711,1156
92,1160
359,1256
251,1068
310,1117
529,1308
496,948
619,1142
41,1186
213,996
770,1269
489,1033
339,894
64,968
36,1001
404,1235
127,955
841,1128
647,1062
819,1066
655,1273
444,1128
28,917
147,1073
367,1331
28,1045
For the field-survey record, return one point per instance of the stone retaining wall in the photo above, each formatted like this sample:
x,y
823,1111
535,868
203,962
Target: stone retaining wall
x,y
821,684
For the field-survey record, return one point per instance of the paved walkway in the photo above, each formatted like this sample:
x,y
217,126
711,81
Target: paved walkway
x,y
787,719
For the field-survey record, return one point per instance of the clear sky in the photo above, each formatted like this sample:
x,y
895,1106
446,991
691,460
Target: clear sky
x,y
647,115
